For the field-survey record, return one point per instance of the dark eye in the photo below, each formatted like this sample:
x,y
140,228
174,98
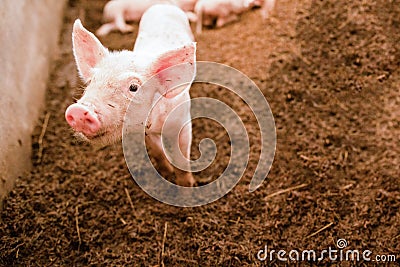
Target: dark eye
x,y
133,87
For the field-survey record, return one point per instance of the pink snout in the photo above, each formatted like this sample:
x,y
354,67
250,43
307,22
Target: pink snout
x,y
82,119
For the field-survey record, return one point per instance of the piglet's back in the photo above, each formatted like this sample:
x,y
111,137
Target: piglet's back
x,y
163,28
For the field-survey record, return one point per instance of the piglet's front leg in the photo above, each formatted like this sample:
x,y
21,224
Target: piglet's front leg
x,y
221,21
178,142
121,25
185,178
267,8
182,177
164,166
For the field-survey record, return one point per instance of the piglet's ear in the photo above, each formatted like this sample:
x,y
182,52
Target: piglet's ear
x,y
174,68
88,51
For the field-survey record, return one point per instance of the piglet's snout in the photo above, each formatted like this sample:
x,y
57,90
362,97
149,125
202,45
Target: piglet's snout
x,y
82,119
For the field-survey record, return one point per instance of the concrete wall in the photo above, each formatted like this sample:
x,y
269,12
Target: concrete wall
x,y
29,31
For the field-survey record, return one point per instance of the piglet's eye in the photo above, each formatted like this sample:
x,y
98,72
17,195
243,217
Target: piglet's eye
x,y
133,87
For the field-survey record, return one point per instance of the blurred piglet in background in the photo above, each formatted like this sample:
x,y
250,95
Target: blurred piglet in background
x,y
117,12
114,81
226,11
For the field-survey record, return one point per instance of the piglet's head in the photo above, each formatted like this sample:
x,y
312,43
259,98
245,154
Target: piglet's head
x,y
115,80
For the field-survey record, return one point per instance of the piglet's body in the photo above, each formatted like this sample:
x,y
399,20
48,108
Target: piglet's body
x,y
117,12
116,80
224,11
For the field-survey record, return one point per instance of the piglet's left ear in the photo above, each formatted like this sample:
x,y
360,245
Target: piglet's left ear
x,y
88,51
173,68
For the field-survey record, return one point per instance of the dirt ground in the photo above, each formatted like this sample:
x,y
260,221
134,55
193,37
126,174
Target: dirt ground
x,y
330,72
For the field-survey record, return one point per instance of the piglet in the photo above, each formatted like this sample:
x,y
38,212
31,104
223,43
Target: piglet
x,y
224,11
114,81
117,12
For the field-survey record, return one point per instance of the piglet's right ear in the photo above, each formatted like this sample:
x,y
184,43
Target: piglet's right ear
x,y
88,51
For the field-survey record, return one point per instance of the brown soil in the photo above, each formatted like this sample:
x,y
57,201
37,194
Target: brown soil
x,y
330,71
